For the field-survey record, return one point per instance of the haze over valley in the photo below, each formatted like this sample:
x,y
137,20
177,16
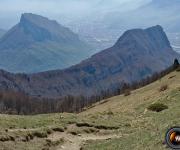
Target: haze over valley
x,y
113,17
106,28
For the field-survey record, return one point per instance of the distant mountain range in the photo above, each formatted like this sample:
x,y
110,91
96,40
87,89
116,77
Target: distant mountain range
x,y
2,32
38,44
114,22
164,12
136,55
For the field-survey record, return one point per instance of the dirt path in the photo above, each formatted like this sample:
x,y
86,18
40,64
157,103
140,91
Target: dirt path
x,y
74,142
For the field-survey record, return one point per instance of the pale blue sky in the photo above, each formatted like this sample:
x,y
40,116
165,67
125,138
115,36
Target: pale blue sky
x,y
60,10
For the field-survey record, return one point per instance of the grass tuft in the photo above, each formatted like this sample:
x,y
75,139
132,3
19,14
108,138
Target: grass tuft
x,y
163,88
157,107
40,134
58,129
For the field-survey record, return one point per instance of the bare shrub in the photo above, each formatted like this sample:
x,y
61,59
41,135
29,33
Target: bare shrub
x,y
178,69
127,92
110,112
163,88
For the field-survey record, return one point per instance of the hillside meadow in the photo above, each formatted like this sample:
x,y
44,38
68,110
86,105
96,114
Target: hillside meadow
x,y
121,122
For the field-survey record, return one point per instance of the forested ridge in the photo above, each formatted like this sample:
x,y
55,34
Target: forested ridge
x,y
22,104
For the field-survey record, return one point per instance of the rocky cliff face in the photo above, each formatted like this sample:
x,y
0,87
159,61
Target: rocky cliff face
x,y
38,44
137,54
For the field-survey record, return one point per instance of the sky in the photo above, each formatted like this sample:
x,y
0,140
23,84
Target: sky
x,y
61,10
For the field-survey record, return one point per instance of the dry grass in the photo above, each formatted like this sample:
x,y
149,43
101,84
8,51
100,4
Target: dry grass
x,y
144,95
141,127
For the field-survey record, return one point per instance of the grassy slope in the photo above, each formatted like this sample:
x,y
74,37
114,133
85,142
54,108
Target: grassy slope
x,y
142,129
138,127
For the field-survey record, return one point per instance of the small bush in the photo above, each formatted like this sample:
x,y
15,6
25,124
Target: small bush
x,y
40,134
127,93
74,133
97,126
110,112
178,69
157,107
12,138
31,136
106,127
172,77
58,129
163,88
46,148
83,124
5,138
49,131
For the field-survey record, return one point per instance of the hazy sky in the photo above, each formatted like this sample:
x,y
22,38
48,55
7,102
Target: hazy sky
x,y
61,10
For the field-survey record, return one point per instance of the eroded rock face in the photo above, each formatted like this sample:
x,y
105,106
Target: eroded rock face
x,y
137,54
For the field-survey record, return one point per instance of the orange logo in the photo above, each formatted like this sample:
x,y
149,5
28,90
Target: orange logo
x,y
173,138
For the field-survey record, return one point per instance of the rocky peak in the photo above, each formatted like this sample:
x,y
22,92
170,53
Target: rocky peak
x,y
40,21
154,35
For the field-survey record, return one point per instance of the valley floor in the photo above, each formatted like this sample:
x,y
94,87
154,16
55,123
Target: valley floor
x,y
120,122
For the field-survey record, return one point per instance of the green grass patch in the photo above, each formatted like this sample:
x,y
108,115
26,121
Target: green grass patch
x,y
157,107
